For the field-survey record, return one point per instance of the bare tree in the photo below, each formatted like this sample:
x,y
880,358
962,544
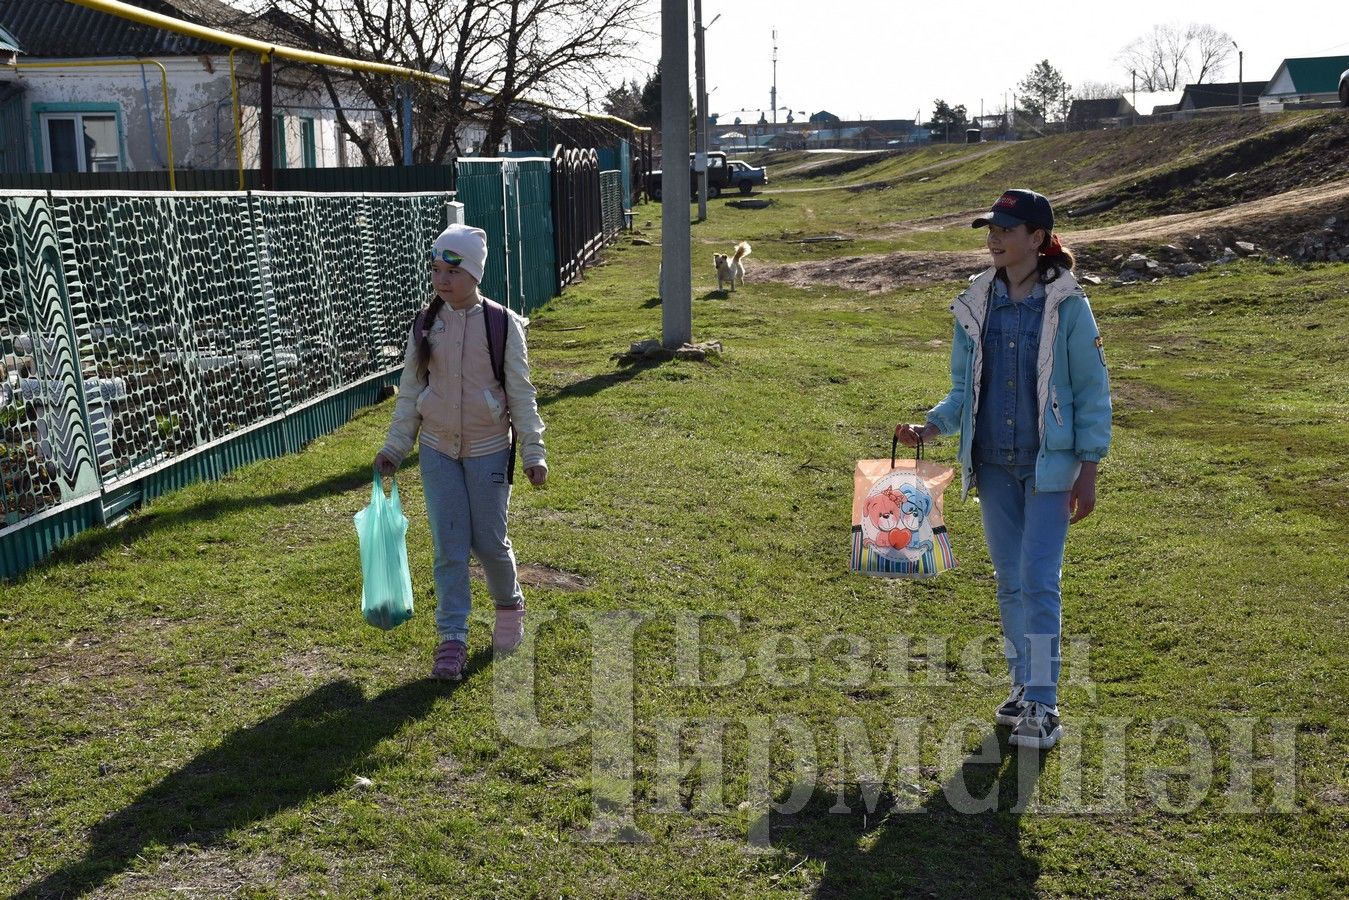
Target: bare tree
x,y
1099,90
492,54
1212,50
1169,56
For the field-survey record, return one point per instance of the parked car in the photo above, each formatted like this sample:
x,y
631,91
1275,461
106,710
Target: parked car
x,y
718,177
1344,88
745,177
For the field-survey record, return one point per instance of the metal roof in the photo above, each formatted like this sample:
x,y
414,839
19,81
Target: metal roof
x,y
1317,74
57,29
8,43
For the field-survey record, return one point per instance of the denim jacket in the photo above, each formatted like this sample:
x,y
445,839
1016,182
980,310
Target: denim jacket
x,y
1072,387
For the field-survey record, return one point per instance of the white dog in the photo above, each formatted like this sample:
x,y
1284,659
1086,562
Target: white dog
x,y
729,268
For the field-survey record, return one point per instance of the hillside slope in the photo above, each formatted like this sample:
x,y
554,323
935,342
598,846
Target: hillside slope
x,y
1265,179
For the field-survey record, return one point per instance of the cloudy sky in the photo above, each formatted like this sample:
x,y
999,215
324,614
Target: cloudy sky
x,y
879,59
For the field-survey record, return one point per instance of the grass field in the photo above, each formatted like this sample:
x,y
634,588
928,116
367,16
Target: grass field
x,y
192,697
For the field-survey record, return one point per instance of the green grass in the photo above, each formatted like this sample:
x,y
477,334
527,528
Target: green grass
x,y
190,696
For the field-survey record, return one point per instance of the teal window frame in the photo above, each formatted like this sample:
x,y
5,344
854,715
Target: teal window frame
x,y
38,110
308,143
279,157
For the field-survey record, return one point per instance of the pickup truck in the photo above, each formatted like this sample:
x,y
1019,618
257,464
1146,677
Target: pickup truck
x,y
744,176
718,177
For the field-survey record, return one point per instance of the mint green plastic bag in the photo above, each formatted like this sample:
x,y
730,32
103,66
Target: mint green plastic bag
x,y
386,590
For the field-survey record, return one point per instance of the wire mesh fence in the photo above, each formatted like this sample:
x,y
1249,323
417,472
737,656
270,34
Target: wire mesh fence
x,y
143,333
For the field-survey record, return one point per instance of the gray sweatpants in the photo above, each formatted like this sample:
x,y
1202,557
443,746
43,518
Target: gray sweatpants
x,y
466,503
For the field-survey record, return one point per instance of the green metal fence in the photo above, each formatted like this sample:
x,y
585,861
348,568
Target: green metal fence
x,y
153,340
611,202
511,200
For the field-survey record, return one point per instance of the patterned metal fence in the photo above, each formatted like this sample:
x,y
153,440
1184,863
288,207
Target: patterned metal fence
x,y
426,178
153,340
578,220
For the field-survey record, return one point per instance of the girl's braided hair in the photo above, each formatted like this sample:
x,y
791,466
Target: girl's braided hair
x,y
427,319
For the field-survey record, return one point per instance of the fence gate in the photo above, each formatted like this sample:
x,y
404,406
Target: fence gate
x,y
509,199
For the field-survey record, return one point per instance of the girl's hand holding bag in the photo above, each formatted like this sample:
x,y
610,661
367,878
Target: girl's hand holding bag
x,y
898,530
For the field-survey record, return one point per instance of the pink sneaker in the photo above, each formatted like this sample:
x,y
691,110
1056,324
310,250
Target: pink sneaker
x,y
449,664
509,629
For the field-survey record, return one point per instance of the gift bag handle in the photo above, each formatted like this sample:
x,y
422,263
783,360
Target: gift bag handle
x,y
894,450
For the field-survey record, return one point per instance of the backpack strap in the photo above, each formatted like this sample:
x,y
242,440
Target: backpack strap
x,y
498,327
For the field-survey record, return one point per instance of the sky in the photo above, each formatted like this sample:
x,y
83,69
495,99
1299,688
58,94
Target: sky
x,y
889,59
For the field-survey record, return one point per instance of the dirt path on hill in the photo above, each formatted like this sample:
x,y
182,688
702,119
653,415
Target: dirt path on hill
x,y
1271,222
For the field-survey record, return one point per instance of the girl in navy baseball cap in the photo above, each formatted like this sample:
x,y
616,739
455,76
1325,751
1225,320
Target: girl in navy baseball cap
x,y
1030,399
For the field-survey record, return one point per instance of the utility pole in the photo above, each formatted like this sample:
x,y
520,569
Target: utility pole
x,y
1240,86
676,282
773,92
700,77
700,80
1134,74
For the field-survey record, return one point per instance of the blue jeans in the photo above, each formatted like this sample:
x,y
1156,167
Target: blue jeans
x,y
1026,531
466,503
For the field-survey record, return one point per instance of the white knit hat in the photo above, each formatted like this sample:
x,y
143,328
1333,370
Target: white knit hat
x,y
467,242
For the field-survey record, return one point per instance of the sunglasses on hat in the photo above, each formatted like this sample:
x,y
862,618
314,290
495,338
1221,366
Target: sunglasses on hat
x,y
447,256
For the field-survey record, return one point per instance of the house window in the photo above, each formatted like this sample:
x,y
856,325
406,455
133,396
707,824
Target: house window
x,y
308,144
279,142
80,141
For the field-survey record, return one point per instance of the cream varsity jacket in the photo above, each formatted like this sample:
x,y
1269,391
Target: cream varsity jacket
x,y
456,403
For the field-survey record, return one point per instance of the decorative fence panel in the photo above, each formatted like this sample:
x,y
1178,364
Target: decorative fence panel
x,y
577,218
153,340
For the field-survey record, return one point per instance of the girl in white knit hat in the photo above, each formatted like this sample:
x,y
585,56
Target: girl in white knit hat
x,y
466,389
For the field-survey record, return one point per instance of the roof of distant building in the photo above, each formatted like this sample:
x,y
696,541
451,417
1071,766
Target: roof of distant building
x,y
1207,96
59,29
1315,74
1100,108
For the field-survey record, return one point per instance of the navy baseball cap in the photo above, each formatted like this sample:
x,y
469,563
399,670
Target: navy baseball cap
x,y
1019,206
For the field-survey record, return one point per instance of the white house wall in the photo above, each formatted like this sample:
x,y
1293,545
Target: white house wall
x,y
200,103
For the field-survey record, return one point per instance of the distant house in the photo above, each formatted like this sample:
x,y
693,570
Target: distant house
x,y
78,119
825,117
1088,115
1220,96
13,156
66,118
1306,80
856,138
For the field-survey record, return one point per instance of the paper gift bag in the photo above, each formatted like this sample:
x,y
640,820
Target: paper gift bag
x,y
898,530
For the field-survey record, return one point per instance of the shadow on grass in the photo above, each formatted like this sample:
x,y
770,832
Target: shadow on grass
x,y
314,746
963,840
92,544
652,303
589,387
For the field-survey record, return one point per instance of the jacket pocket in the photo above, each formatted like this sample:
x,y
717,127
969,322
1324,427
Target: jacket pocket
x,y
1059,426
494,404
432,409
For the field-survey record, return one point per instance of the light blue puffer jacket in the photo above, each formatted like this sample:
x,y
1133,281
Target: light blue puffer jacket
x,y
1072,385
